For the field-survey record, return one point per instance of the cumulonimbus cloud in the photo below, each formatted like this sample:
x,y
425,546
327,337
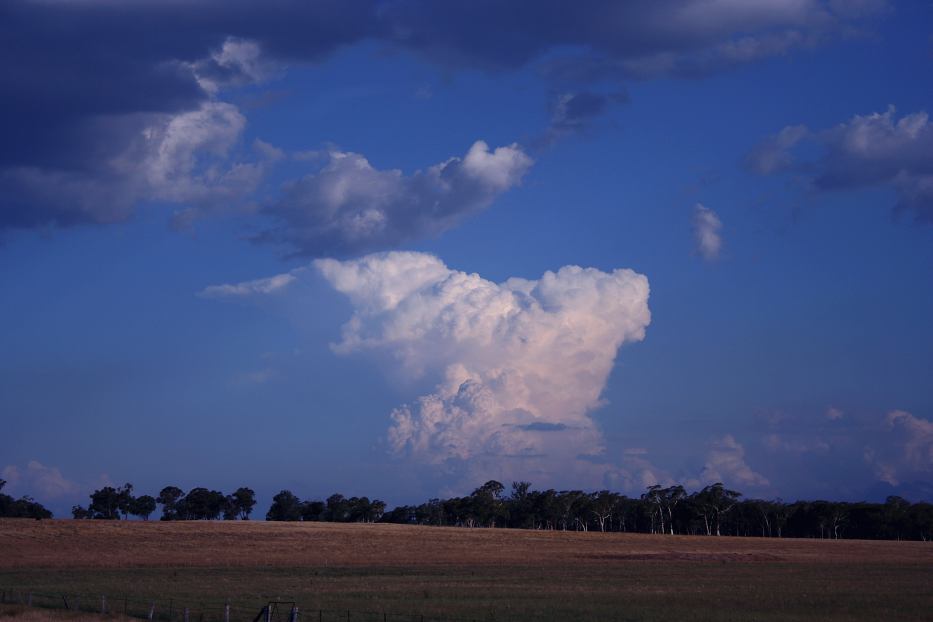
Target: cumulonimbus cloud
x,y
351,207
521,364
876,149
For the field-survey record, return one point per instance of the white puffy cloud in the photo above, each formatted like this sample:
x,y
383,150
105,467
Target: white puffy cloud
x,y
349,206
877,149
707,228
188,157
237,62
726,463
38,480
901,452
917,435
521,364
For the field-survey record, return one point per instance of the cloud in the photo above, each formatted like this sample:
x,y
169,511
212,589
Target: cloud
x,y
834,414
918,438
38,480
268,285
779,442
773,153
350,207
726,463
91,78
871,150
604,39
574,112
236,63
907,451
521,364
185,158
707,232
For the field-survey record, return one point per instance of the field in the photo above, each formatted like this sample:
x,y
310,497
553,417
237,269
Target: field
x,y
480,574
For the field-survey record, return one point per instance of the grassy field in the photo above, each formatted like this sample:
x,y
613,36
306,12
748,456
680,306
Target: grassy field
x,y
481,574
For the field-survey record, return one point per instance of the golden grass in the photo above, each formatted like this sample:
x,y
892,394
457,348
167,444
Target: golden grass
x,y
471,573
121,544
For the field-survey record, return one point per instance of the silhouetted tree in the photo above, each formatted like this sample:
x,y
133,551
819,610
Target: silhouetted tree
x,y
24,507
169,497
106,503
714,501
285,507
243,501
143,506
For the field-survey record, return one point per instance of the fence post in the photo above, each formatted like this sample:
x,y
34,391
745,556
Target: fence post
x,y
151,611
187,613
103,604
227,611
269,612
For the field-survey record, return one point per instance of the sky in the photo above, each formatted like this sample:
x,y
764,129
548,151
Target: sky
x,y
400,248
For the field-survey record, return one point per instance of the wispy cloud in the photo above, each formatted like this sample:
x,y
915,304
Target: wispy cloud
x,y
707,232
256,287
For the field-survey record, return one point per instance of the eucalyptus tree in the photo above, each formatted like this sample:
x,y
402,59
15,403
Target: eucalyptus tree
x,y
714,501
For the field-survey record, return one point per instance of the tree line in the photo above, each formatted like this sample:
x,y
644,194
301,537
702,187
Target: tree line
x,y
110,503
24,507
712,510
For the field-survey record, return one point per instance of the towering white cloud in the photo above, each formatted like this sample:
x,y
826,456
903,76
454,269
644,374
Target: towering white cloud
x,y
521,364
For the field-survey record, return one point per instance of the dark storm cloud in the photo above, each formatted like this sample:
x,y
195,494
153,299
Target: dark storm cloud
x,y
90,89
80,81
609,39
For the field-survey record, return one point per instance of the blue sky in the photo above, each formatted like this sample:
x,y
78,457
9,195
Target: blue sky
x,y
203,232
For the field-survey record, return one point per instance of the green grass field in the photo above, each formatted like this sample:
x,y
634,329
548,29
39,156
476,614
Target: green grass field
x,y
477,574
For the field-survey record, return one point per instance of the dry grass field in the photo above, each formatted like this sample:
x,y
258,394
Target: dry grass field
x,y
481,574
